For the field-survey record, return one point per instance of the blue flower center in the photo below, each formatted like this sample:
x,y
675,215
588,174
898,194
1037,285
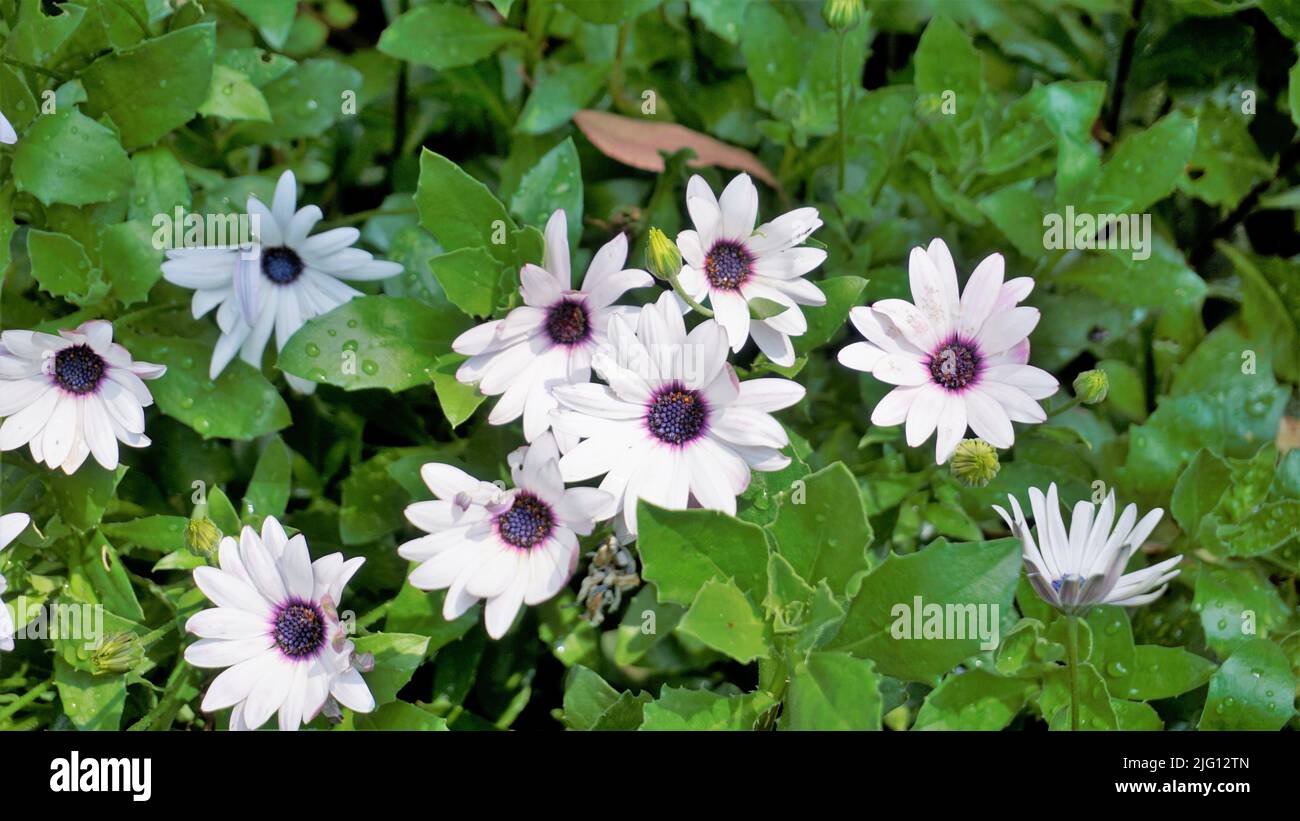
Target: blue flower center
x,y
78,369
728,264
528,521
677,415
955,365
567,323
281,265
299,629
1056,585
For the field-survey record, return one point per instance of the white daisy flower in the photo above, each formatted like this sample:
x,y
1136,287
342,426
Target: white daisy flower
x,y
674,425
550,339
11,524
1077,571
285,280
731,263
7,134
276,630
510,547
956,361
72,395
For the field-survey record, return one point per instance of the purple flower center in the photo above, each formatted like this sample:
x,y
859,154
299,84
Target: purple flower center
x,y
728,264
955,365
281,265
677,415
567,323
299,629
78,369
528,522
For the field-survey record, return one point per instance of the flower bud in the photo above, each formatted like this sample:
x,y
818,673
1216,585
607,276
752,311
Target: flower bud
x,y
843,15
661,255
974,463
202,537
119,653
1091,387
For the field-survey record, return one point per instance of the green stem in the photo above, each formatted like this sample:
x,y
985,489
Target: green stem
x,y
681,292
164,711
1073,403
24,700
374,615
30,67
1072,666
839,100
362,216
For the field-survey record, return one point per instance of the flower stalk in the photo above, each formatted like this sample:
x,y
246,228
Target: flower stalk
x,y
1072,666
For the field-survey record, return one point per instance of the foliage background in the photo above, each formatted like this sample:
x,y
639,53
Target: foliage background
x,y
1185,109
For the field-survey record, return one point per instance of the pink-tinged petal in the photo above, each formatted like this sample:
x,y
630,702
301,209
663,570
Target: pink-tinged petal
x,y
789,263
732,313
723,390
909,319
1008,328
1013,292
501,610
710,484
1018,404
350,690
786,231
539,286
235,683
988,419
446,481
938,253
555,259
746,426
210,653
893,408
707,218
774,344
901,369
981,294
227,623
880,330
227,590
605,262
688,242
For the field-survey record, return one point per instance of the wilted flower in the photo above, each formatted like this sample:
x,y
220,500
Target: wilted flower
x,y
1074,572
1091,387
975,462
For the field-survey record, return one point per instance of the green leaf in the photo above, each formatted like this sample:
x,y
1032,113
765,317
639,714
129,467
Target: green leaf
x,y
978,579
372,342
646,622
400,716
90,702
561,94
842,293
160,186
83,496
69,158
681,550
442,36
1096,711
396,657
151,88
1226,163
268,490
234,97
1165,672
586,698
723,618
722,17
610,11
273,18
163,534
832,691
1237,604
1144,168
973,700
420,611
60,265
553,183
1253,690
1134,716
133,264
679,708
306,100
470,278
460,212
240,404
458,400
827,535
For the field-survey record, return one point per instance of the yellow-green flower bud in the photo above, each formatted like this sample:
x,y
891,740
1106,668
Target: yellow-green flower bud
x,y
116,654
202,537
1091,387
661,255
843,15
975,462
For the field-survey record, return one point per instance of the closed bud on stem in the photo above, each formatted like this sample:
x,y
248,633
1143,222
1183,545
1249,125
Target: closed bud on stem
x,y
843,15
1091,387
202,537
975,463
662,257
119,653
